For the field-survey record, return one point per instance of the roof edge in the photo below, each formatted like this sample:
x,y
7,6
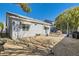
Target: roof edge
x,y
25,17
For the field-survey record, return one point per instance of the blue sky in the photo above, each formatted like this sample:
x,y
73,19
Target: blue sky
x,y
40,11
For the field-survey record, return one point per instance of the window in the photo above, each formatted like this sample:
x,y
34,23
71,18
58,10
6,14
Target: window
x,y
13,23
25,27
35,23
19,26
46,28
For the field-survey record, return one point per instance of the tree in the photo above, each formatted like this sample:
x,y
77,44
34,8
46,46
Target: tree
x,y
68,20
1,27
25,7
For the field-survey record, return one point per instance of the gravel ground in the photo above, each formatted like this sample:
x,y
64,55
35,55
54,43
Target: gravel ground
x,y
67,47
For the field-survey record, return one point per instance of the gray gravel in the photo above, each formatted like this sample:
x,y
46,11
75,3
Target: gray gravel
x,y
67,47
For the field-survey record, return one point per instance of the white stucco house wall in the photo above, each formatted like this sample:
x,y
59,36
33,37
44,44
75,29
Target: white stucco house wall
x,y
19,26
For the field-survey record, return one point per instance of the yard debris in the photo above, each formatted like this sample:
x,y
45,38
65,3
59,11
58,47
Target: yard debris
x,y
39,45
2,42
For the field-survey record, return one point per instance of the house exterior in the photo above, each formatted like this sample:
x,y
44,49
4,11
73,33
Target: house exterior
x,y
19,26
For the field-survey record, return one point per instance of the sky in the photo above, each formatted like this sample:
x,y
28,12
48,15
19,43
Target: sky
x,y
40,11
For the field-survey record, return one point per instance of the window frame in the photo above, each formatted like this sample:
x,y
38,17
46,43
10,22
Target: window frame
x,y
25,27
